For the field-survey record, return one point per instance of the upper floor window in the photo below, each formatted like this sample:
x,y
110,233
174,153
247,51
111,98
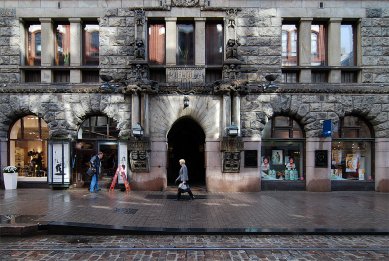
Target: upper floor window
x,y
318,44
62,44
157,43
91,44
214,43
348,45
34,45
185,44
289,45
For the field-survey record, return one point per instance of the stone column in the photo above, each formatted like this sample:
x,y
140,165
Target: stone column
x,y
3,152
304,48
135,110
382,164
200,41
236,110
47,56
146,114
75,49
226,114
171,40
318,179
334,49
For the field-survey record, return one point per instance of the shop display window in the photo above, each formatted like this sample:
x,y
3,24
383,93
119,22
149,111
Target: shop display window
x,y
352,151
282,156
28,148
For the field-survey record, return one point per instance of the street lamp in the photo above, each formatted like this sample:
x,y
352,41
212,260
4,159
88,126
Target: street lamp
x,y
232,130
137,131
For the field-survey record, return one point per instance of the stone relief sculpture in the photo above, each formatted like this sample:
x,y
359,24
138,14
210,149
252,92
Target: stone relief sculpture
x,y
232,49
139,52
185,3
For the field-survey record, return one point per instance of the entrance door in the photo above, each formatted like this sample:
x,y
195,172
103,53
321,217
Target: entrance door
x,y
186,140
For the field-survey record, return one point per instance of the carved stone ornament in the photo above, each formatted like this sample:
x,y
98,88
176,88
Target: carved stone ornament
x,y
139,51
140,17
186,3
231,144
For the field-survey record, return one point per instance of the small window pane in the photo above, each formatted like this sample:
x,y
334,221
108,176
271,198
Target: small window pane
x,y
62,41
289,45
34,45
348,77
185,45
318,45
347,45
289,77
281,121
61,76
214,43
32,76
90,76
91,44
281,134
319,76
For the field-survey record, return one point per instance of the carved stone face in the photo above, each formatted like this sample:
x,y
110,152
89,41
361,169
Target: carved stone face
x,y
231,42
139,43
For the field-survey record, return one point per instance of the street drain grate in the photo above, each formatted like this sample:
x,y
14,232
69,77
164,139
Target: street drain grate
x,y
125,210
18,219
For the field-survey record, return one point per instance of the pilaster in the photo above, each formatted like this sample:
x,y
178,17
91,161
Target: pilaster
x,y
200,41
171,44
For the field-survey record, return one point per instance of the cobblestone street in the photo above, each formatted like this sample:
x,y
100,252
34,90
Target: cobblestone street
x,y
200,247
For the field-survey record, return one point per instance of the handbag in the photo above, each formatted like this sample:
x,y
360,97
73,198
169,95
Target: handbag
x,y
183,186
91,171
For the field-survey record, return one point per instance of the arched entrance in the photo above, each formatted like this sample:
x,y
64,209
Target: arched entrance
x,y
186,140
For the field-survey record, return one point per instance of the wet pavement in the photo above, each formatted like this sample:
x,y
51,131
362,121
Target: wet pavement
x,y
76,211
195,247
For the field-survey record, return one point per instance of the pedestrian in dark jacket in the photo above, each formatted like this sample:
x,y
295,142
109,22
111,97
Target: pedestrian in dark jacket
x,y
183,177
95,163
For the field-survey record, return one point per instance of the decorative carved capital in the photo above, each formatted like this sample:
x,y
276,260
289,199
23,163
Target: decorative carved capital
x,y
140,17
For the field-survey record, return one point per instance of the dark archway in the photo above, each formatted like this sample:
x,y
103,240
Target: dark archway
x,y
186,140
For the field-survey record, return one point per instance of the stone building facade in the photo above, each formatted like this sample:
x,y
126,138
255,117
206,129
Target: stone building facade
x,y
268,86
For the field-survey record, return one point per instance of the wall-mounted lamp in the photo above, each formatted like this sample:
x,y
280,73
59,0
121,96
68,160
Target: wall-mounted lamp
x,y
270,78
232,130
186,101
137,131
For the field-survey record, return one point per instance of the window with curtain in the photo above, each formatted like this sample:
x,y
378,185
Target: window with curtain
x,y
62,44
34,45
214,42
185,44
318,44
157,43
91,44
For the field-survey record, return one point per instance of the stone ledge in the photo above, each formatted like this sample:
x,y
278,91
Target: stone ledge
x,y
18,229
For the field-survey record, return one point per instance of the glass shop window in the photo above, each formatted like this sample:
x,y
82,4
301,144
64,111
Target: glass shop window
x,y
28,148
34,45
185,44
282,150
352,151
98,127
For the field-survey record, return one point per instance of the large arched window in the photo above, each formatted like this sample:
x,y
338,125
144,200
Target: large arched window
x,y
352,150
28,147
282,150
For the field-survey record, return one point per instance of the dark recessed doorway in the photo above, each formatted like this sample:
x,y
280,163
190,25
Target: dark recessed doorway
x,y
186,140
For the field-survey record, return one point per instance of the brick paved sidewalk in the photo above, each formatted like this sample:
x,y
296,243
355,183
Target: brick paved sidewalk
x,y
158,212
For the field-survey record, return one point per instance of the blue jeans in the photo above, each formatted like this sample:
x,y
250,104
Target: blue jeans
x,y
94,184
